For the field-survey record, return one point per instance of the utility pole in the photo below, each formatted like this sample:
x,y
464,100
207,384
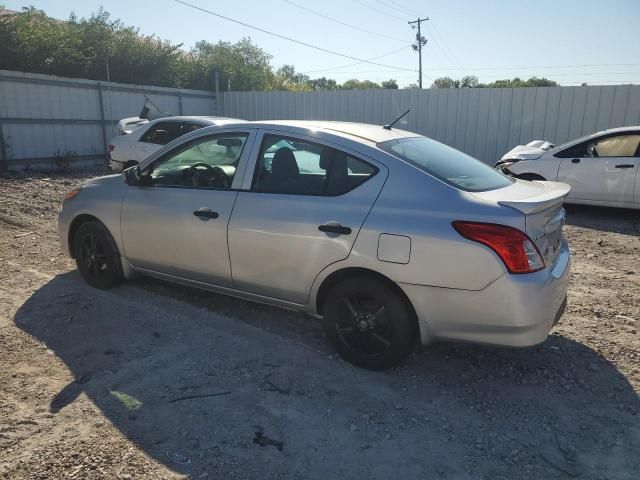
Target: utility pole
x,y
420,41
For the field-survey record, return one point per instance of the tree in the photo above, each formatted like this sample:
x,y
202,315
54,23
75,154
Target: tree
x,y
323,83
445,82
471,81
389,84
355,84
243,63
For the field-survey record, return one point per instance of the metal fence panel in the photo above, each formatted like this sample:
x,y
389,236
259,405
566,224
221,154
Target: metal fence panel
x,y
485,123
42,116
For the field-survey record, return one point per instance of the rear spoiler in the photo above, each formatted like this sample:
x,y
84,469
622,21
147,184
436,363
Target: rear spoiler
x,y
550,197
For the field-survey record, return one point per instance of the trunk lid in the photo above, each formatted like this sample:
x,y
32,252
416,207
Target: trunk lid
x,y
541,203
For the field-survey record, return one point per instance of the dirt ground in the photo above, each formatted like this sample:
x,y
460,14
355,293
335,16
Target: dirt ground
x,y
151,380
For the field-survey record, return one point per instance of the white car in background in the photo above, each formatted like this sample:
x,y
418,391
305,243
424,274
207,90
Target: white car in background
x,y
128,150
601,168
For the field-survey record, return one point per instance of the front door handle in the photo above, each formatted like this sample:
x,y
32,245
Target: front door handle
x,y
339,229
575,160
205,214
625,165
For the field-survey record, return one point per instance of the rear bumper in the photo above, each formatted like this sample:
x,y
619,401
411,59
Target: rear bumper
x,y
514,311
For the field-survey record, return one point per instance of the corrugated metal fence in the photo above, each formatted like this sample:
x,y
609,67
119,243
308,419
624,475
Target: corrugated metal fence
x,y
43,116
484,122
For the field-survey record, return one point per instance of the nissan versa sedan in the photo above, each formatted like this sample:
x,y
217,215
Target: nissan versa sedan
x,y
392,238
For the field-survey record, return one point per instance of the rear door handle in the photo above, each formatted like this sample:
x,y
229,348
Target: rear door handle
x,y
205,214
575,160
625,165
339,229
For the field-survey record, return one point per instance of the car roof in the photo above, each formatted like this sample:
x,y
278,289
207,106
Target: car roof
x,y
213,120
362,131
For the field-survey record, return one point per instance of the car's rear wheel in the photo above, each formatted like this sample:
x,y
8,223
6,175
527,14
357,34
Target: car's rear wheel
x,y
369,323
97,256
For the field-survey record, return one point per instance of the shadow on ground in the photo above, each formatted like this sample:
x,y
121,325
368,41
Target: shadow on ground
x,y
605,219
203,393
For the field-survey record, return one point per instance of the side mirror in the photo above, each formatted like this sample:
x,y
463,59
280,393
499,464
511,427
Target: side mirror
x,y
132,176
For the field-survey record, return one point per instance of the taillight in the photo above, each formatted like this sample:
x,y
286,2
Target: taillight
x,y
514,247
112,148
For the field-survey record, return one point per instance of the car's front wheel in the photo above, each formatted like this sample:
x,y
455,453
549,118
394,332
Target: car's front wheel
x,y
369,323
97,256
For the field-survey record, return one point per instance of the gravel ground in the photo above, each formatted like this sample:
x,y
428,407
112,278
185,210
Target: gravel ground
x,y
156,381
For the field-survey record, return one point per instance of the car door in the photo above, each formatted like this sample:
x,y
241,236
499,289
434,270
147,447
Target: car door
x,y
602,169
175,222
301,208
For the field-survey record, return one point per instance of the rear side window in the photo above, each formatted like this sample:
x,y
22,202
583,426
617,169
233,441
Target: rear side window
x,y
298,167
164,132
447,164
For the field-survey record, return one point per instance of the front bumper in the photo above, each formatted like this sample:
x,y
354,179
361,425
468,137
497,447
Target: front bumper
x,y
514,311
116,166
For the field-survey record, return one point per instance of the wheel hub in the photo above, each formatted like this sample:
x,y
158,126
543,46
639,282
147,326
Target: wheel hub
x,y
364,322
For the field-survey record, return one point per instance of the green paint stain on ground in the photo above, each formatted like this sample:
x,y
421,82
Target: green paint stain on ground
x,y
132,403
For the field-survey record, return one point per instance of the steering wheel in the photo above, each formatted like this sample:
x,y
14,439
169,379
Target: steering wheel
x,y
215,175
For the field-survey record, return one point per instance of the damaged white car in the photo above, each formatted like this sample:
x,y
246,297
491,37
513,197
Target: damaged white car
x,y
601,168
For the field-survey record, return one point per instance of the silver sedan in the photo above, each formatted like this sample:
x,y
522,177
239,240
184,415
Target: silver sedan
x,y
392,238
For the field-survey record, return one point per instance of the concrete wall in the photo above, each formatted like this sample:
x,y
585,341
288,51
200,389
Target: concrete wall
x,y
484,122
41,115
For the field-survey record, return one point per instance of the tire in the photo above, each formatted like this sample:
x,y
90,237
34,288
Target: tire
x,y
368,323
97,256
530,176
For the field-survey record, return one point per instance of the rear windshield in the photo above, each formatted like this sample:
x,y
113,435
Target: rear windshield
x,y
447,164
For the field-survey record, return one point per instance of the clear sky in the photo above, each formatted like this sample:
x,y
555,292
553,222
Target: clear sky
x,y
491,38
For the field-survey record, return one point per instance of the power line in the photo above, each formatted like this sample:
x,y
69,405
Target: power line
x,y
378,10
406,9
442,67
357,63
289,39
385,4
340,22
572,74
444,47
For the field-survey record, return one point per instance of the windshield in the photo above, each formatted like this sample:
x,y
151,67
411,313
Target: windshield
x,y
447,164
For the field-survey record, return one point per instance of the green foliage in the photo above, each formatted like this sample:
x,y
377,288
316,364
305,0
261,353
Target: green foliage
x,y
102,48
389,84
62,160
89,48
244,64
32,42
471,81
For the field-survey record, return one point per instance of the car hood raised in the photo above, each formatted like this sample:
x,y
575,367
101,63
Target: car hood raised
x,y
530,151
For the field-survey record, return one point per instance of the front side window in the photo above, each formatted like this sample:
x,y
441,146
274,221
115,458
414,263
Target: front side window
x,y
618,146
208,162
300,167
447,164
